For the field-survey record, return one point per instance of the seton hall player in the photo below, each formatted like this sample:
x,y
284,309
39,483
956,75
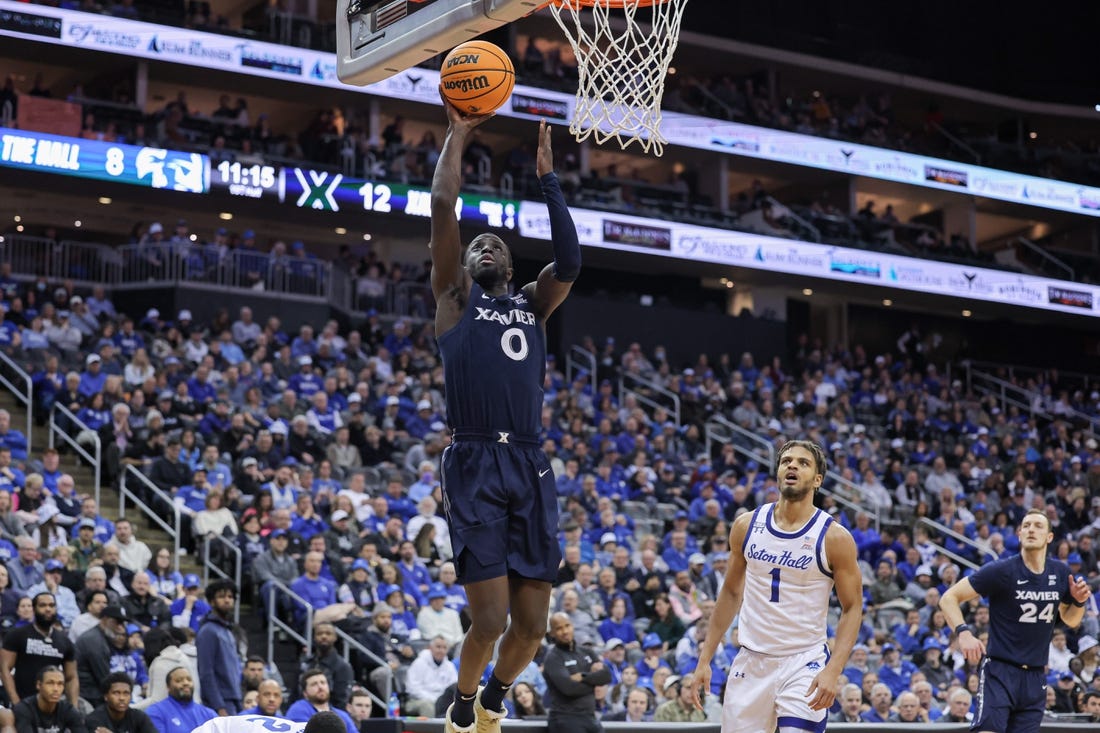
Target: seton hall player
x,y
1023,593
791,557
498,490
325,721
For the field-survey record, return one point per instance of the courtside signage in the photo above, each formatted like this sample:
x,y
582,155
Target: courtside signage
x,y
809,259
138,166
226,53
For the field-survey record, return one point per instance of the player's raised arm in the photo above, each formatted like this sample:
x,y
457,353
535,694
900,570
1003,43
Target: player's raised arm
x,y
1072,611
951,605
840,548
446,245
726,607
556,279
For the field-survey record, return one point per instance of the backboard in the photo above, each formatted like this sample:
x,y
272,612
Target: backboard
x,y
376,39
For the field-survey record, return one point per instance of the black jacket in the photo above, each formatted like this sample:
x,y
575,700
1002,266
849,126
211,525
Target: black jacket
x,y
168,475
93,663
29,719
563,695
135,721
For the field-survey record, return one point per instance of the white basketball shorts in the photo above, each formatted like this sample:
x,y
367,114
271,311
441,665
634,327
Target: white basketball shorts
x,y
764,692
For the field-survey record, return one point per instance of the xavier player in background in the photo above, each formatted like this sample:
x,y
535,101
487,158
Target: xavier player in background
x,y
1023,593
785,559
498,490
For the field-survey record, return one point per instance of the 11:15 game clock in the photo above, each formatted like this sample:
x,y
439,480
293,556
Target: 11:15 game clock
x,y
250,181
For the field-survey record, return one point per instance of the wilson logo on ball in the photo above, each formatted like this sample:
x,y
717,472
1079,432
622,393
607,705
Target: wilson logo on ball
x,y
469,84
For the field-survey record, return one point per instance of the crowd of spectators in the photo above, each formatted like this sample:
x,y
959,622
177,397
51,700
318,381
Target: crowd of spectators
x,y
317,455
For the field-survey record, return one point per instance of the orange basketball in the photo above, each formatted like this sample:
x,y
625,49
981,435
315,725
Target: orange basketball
x,y
477,77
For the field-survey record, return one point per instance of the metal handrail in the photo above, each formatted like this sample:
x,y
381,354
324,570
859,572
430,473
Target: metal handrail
x,y
170,529
577,358
207,566
350,642
955,140
96,460
26,399
274,621
944,529
808,226
1036,249
1038,372
649,401
749,435
1024,398
941,550
712,434
866,506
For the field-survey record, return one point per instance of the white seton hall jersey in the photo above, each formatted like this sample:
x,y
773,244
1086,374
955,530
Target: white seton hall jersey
x,y
787,585
250,724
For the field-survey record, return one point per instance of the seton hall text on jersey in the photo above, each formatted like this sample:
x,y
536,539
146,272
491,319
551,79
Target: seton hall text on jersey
x,y
786,560
1037,595
516,315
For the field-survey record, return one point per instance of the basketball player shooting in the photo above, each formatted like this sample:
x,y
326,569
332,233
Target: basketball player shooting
x,y
498,490
791,556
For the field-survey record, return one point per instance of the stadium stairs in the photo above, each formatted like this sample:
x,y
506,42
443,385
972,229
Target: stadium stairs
x,y
286,653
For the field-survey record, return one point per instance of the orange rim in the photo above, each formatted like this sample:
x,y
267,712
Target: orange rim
x,y
615,4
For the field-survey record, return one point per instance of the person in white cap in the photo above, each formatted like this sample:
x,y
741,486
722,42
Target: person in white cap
x,y
1087,653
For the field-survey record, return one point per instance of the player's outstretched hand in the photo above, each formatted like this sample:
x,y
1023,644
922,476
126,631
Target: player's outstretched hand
x,y
1079,589
971,646
458,120
544,160
700,683
822,690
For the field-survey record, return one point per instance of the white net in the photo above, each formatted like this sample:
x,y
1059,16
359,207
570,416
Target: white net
x,y
623,50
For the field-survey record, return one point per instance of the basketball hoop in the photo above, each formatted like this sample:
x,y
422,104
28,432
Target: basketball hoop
x,y
622,72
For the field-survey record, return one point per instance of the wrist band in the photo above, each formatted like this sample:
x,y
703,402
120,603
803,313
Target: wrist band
x,y
961,628
1074,602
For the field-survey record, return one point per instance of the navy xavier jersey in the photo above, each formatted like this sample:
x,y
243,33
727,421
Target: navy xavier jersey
x,y
1023,607
494,363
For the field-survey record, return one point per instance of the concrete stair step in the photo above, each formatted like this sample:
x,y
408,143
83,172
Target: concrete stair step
x,y
84,477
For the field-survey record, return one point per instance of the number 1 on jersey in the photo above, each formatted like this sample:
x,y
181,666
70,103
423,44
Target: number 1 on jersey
x,y
775,585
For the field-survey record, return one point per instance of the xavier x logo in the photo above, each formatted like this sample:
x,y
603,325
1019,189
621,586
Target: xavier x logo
x,y
317,191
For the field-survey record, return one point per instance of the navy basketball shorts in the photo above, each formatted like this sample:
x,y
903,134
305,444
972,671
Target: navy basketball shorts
x,y
1010,699
502,508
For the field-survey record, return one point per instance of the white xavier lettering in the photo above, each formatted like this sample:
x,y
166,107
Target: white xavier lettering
x,y
506,319
1037,595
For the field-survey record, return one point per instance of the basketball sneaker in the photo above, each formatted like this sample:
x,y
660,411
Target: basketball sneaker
x,y
488,721
449,727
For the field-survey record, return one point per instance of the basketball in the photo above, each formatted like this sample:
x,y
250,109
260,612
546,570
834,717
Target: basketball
x,y
477,77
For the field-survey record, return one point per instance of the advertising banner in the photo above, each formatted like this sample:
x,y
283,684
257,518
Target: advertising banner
x,y
232,54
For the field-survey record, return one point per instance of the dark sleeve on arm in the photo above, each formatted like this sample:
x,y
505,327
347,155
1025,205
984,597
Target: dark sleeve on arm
x,y
986,579
98,663
74,721
142,722
23,720
555,673
342,679
207,646
602,677
563,232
